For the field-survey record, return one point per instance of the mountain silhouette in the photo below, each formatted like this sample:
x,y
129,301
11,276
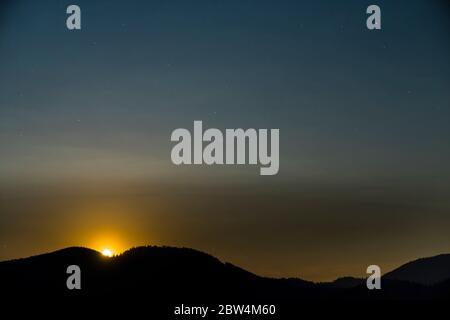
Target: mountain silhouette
x,y
426,271
163,276
344,282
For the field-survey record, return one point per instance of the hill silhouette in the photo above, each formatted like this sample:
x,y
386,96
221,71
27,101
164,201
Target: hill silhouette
x,y
426,271
161,276
344,282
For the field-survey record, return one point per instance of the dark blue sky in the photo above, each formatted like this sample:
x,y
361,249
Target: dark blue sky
x,y
137,71
357,109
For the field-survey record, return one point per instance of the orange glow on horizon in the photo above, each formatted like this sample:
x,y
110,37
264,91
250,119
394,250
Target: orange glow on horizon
x,y
107,244
108,224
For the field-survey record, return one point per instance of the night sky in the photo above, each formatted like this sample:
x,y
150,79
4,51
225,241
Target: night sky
x,y
364,118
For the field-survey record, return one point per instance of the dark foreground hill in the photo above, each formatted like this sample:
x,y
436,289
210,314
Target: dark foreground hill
x,y
164,272
426,271
165,275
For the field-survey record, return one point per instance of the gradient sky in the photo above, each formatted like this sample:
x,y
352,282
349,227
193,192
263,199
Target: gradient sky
x,y
86,118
